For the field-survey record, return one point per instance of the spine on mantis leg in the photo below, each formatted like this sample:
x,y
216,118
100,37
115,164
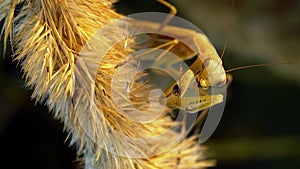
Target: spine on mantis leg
x,y
48,36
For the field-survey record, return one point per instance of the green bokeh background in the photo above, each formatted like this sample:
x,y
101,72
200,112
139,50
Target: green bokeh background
x,y
259,128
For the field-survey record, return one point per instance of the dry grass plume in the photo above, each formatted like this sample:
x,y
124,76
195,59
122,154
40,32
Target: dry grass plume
x,y
47,37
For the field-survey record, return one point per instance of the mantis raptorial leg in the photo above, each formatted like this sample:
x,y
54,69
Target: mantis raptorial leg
x,y
207,67
211,74
214,73
175,93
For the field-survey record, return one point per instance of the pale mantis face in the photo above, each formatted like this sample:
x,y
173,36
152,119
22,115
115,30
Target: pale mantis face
x,y
176,97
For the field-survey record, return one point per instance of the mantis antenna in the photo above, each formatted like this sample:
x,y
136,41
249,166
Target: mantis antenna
x,y
228,31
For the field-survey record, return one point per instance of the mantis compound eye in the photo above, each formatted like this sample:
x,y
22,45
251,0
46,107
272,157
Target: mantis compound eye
x,y
212,75
176,90
203,83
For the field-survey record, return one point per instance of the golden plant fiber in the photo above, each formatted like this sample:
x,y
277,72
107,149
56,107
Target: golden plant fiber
x,y
47,36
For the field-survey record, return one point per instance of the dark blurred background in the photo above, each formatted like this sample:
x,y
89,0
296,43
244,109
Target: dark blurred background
x,y
259,128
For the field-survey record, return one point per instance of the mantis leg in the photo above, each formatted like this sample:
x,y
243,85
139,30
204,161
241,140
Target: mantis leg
x,y
207,67
186,44
173,12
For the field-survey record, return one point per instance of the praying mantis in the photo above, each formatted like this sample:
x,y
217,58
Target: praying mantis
x,y
206,68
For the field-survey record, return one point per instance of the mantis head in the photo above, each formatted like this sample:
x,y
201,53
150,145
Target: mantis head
x,y
178,97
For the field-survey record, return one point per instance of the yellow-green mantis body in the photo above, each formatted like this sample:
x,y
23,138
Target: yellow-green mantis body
x,y
187,44
206,70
